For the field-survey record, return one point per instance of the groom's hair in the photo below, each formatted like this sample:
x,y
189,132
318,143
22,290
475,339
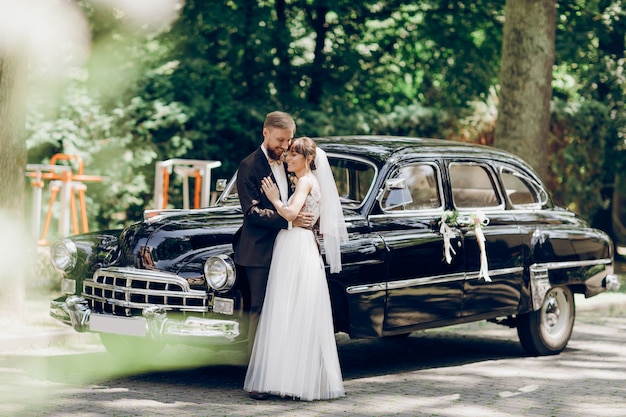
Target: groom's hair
x,y
280,120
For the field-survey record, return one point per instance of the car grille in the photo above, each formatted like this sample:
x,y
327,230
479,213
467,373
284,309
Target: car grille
x,y
127,291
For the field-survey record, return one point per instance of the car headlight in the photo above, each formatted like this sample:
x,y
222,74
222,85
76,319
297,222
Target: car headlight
x,y
219,272
63,255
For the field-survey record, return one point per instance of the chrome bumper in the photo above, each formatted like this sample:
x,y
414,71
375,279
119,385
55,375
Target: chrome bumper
x,y
153,323
611,282
601,279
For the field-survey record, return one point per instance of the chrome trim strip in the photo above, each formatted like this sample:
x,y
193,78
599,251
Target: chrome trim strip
x,y
572,264
365,262
427,214
422,214
414,282
139,306
123,272
496,272
359,289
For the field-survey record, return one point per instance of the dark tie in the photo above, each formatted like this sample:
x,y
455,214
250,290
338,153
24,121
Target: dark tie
x,y
273,162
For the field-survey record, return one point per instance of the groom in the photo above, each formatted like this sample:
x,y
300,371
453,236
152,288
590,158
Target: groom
x,y
254,241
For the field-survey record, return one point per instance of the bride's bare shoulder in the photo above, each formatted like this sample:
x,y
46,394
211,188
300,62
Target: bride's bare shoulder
x,y
308,180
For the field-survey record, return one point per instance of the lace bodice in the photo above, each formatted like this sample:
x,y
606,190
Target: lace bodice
x,y
312,202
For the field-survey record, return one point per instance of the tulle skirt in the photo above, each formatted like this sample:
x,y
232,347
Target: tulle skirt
x,y
295,352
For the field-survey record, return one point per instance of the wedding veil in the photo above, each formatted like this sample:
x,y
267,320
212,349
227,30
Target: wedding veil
x,y
332,224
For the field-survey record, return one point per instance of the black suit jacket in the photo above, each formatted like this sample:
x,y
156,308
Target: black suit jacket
x,y
254,241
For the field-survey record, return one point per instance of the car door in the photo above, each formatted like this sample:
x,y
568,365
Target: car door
x,y
493,270
358,292
421,286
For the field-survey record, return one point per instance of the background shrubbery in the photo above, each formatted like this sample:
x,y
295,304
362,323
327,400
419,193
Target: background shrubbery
x,y
200,88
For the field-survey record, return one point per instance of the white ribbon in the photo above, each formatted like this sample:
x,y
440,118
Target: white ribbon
x,y
481,220
447,234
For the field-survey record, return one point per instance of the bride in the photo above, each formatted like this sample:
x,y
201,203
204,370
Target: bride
x,y
295,352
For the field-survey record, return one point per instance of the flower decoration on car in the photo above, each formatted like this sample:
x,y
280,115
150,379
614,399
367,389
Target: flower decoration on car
x,y
475,221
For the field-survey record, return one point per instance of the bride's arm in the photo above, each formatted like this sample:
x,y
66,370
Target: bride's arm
x,y
290,212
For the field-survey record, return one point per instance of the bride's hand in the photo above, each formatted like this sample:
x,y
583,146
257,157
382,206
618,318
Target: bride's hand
x,y
270,189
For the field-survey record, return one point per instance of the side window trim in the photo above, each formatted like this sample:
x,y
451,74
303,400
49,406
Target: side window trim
x,y
531,183
343,156
393,174
493,180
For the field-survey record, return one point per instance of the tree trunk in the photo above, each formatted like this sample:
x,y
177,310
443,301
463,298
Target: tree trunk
x,y
14,244
281,40
317,69
526,81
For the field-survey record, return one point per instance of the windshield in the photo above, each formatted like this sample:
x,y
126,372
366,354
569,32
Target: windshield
x,y
354,178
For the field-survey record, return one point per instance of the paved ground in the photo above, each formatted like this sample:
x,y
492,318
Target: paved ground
x,y
470,370
33,328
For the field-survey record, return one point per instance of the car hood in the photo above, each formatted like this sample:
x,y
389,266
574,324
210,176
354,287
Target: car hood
x,y
173,240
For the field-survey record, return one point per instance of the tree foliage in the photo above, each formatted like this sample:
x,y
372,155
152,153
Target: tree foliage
x,y
200,87
589,115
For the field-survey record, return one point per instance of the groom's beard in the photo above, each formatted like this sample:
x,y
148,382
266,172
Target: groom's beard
x,y
274,155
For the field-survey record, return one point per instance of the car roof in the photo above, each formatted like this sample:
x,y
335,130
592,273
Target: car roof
x,y
380,148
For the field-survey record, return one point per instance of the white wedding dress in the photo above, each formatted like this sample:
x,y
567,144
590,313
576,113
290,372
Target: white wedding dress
x,y
295,352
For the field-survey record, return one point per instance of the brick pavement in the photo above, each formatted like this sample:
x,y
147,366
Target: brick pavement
x,y
34,328
469,370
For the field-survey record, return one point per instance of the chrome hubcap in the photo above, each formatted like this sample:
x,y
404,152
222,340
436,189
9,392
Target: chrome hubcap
x,y
554,314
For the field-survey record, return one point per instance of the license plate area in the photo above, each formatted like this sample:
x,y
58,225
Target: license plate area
x,y
223,305
129,326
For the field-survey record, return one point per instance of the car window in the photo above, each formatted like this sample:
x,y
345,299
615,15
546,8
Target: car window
x,y
519,189
472,186
354,179
230,196
413,187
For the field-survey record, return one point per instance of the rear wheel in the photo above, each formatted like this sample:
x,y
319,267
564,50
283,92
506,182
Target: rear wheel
x,y
548,330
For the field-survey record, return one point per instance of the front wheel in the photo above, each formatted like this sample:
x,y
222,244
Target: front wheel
x,y
548,330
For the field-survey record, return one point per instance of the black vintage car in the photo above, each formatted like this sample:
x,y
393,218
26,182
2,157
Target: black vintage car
x,y
440,233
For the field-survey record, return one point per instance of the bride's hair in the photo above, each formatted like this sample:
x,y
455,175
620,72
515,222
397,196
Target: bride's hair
x,y
305,146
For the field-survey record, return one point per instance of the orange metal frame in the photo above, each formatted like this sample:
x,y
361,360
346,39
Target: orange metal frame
x,y
64,180
197,188
199,170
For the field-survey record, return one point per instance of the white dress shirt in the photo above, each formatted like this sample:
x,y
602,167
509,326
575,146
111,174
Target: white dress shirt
x,y
281,178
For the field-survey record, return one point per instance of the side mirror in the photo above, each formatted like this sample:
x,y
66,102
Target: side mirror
x,y
395,194
220,184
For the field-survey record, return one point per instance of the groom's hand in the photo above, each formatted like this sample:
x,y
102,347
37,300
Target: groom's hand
x,y
304,220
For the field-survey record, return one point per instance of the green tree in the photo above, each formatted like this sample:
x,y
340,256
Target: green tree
x,y
117,113
339,67
525,80
201,89
589,115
